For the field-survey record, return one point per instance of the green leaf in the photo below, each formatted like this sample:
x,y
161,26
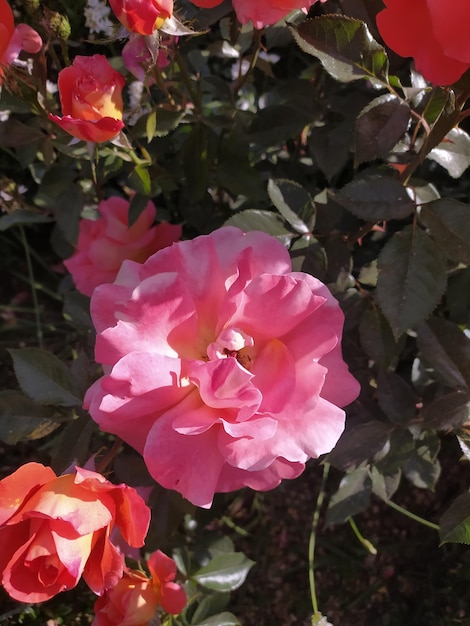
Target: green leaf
x,y
447,412
294,203
225,572
44,378
73,443
277,123
136,207
22,216
422,467
345,48
140,180
446,349
209,605
309,256
330,145
453,153
267,221
375,198
352,497
454,525
358,444
379,127
222,619
449,223
377,338
196,162
384,485
21,418
395,397
151,125
412,279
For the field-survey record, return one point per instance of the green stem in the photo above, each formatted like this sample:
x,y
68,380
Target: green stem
x,y
311,543
112,452
37,314
412,516
365,542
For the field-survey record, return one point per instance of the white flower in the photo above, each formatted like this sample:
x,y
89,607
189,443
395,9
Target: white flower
x,y
97,18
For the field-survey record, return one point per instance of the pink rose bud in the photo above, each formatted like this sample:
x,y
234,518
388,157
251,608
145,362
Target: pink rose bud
x,y
13,40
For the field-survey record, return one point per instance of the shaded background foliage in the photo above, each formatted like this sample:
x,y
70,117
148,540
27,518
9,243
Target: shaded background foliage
x,y
313,133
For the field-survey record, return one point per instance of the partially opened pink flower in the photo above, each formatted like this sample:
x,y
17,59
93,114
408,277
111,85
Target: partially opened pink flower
x,y
223,367
104,243
13,40
136,598
55,529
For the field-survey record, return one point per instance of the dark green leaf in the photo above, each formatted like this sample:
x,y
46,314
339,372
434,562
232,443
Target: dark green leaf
x,y
447,412
14,133
294,203
412,279
140,180
44,378
358,444
210,605
308,255
395,397
226,572
223,619
377,338
330,146
384,485
449,223
376,198
446,348
22,216
379,126
454,525
275,124
73,444
345,47
352,497
136,207
21,418
196,162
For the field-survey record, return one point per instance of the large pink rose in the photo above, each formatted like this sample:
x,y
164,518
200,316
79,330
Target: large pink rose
x,y
90,93
13,40
223,367
54,529
261,12
103,244
433,32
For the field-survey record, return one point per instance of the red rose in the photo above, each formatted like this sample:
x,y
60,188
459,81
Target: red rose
x,y
54,529
91,97
142,16
433,32
261,12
